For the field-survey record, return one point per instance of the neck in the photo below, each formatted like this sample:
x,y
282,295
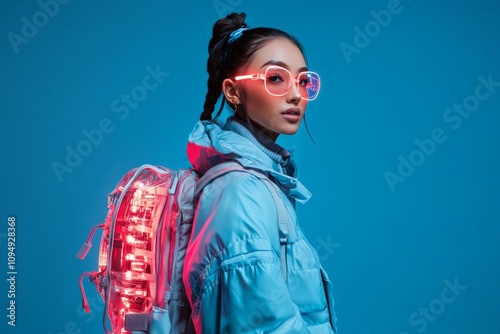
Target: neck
x,y
257,130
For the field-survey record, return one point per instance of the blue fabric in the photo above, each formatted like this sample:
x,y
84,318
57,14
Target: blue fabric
x,y
232,268
160,321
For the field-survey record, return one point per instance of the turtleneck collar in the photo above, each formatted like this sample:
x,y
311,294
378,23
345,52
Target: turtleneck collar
x,y
277,153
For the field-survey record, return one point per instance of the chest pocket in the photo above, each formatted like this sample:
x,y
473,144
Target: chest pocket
x,y
308,284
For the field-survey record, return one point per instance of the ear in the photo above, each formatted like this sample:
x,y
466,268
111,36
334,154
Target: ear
x,y
231,91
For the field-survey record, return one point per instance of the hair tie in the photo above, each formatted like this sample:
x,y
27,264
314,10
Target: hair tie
x,y
236,34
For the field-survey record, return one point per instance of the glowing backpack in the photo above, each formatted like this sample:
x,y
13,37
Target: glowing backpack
x,y
143,246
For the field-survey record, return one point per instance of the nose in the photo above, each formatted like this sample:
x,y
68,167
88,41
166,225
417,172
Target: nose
x,y
293,95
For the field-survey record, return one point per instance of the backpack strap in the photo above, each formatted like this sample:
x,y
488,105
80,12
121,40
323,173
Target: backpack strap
x,y
214,173
284,221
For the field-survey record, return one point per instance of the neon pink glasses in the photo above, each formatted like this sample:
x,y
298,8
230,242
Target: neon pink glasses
x,y
278,82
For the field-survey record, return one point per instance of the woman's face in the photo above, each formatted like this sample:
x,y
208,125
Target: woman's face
x,y
275,115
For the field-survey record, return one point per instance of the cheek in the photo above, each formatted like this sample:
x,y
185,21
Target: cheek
x,y
258,100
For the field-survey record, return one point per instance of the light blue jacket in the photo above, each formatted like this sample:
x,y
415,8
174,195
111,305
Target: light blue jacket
x,y
232,268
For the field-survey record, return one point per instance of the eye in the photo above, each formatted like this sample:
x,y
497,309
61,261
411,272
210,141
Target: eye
x,y
304,80
275,78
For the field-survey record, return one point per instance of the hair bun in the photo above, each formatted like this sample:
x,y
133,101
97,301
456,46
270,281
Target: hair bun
x,y
224,27
238,20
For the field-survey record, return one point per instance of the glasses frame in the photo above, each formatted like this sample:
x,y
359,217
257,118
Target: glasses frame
x,y
262,76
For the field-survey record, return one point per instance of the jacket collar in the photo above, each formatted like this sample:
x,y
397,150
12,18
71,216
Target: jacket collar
x,y
209,145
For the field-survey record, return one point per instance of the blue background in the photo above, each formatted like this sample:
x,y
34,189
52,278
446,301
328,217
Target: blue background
x,y
389,250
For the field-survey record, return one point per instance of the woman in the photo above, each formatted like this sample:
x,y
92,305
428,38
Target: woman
x,y
233,271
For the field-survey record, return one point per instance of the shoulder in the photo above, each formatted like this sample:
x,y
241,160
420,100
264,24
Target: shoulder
x,y
237,189
239,185
237,205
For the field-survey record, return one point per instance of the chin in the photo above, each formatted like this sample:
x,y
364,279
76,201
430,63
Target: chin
x,y
290,130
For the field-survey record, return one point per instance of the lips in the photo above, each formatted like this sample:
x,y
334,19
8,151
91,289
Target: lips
x,y
292,115
292,111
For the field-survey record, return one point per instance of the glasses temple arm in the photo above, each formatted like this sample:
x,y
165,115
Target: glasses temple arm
x,y
254,76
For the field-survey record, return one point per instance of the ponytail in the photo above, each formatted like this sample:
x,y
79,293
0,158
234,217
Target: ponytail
x,y
219,61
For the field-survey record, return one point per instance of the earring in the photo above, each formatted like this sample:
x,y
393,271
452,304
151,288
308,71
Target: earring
x,y
235,108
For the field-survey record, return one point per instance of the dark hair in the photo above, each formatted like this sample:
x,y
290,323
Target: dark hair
x,y
225,59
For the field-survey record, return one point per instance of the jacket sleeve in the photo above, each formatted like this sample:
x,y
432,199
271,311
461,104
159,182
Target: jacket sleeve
x,y
232,270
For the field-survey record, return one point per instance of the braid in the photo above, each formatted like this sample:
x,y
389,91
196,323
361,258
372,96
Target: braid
x,y
213,93
217,64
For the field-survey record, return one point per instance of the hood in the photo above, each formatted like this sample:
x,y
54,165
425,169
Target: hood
x,y
210,145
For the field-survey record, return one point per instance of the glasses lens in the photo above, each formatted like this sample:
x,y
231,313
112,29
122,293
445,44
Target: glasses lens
x,y
277,80
308,83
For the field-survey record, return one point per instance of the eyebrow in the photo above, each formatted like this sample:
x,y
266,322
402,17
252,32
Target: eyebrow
x,y
282,64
